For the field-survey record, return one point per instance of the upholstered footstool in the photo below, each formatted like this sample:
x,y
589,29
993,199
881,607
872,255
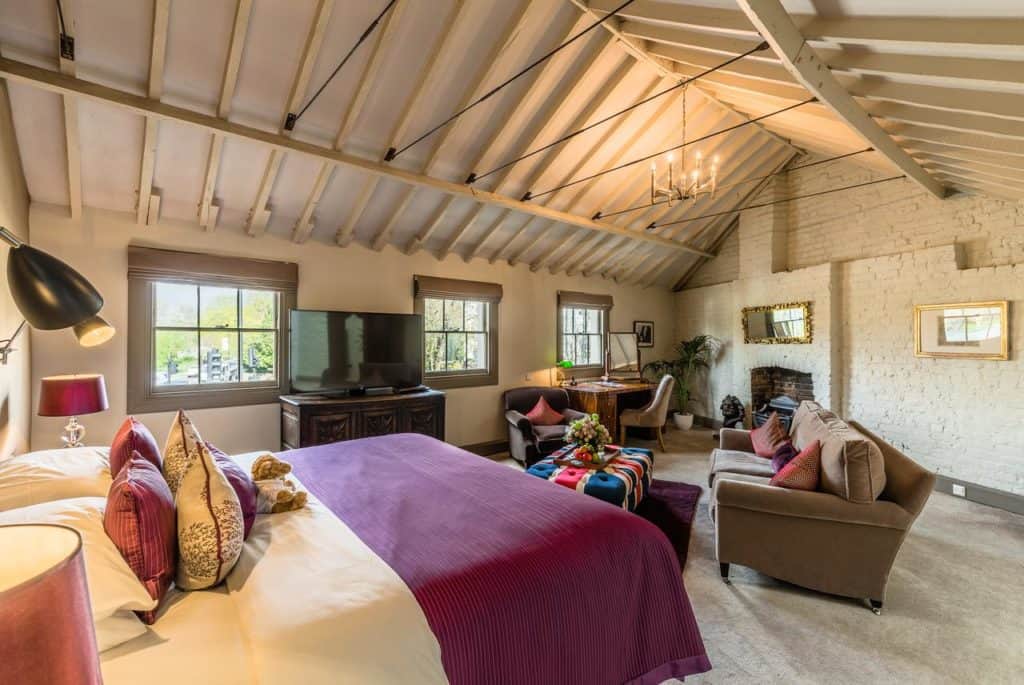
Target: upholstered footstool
x,y
623,481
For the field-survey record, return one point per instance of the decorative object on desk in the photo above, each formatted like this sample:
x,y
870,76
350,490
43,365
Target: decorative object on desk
x,y
691,356
589,436
733,412
780,324
566,364
644,333
46,624
51,295
72,396
966,330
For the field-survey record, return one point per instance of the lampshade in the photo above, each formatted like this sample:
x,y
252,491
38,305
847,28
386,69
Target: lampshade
x,y
48,292
72,395
93,331
46,629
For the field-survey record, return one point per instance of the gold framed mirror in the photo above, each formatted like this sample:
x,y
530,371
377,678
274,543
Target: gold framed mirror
x,y
789,323
962,330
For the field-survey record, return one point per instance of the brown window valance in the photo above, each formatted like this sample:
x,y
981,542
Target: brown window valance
x,y
567,298
151,263
455,289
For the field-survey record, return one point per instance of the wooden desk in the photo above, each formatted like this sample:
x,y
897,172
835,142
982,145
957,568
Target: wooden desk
x,y
608,401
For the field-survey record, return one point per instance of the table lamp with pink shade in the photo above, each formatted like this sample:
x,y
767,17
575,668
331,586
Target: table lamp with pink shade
x,y
72,396
46,629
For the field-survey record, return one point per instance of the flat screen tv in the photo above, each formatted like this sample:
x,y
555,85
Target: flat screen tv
x,y
344,352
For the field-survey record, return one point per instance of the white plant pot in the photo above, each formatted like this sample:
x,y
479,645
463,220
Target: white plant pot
x,y
684,422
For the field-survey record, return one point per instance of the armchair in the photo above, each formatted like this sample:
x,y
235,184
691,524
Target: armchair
x,y
528,443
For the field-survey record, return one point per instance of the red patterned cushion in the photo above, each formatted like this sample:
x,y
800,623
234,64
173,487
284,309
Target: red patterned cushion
x,y
241,482
141,522
133,436
543,415
768,437
803,471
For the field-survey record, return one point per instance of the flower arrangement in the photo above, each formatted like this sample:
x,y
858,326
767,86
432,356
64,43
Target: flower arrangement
x,y
589,436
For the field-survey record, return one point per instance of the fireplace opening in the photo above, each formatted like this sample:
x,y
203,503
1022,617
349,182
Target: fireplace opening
x,y
780,390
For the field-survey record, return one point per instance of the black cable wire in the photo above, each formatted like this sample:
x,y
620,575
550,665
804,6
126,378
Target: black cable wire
x,y
652,226
473,178
291,119
602,215
534,196
392,153
60,17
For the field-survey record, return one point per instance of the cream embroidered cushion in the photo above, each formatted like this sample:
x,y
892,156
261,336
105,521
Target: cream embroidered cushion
x,y
210,530
181,449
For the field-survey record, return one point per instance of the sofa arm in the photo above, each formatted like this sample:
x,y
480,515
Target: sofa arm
x,y
572,415
735,439
519,420
771,499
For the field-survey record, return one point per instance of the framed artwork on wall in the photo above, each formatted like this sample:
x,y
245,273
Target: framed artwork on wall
x,y
962,330
644,333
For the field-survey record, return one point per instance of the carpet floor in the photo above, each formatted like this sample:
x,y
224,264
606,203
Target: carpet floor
x,y
954,611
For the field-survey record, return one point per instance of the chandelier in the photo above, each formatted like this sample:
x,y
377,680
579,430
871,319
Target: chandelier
x,y
690,185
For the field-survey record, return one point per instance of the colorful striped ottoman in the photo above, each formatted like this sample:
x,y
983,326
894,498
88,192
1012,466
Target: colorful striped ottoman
x,y
623,481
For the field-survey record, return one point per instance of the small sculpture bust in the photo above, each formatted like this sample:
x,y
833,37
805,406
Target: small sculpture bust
x,y
732,411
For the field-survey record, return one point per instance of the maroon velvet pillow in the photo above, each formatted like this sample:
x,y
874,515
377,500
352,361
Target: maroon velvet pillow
x,y
768,437
242,484
783,456
133,436
543,414
141,521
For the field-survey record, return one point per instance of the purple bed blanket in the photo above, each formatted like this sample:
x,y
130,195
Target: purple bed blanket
x,y
521,581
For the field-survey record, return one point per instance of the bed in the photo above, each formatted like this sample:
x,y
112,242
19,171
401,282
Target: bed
x,y
418,562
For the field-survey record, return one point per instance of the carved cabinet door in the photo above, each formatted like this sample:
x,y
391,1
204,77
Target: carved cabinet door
x,y
332,427
379,422
427,419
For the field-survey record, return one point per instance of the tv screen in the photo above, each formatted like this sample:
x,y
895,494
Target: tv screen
x,y
344,351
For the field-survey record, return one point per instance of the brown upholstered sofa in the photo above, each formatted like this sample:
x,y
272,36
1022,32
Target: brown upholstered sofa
x,y
528,443
841,539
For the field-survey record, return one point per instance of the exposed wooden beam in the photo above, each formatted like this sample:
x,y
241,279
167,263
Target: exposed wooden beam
x,y
58,83
951,121
760,70
158,52
990,103
967,172
967,160
207,217
487,68
259,215
72,146
771,20
382,36
427,77
967,141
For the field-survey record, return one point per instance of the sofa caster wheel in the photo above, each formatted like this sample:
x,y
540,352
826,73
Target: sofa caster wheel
x,y
724,570
876,606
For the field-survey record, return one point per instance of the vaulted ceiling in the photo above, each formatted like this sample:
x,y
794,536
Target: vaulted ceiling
x,y
176,109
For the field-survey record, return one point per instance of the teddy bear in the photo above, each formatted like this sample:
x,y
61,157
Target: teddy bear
x,y
274,492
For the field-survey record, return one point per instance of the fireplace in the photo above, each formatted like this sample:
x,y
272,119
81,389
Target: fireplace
x,y
775,389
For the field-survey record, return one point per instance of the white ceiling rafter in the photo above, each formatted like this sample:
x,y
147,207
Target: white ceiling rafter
x,y
149,202
70,103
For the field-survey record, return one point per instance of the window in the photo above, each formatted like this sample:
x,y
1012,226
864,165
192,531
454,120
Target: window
x,y
206,331
460,331
583,329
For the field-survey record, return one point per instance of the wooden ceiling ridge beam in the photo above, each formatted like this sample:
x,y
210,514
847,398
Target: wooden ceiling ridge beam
x,y
72,145
427,78
259,215
582,66
305,224
547,159
641,52
209,210
56,82
775,25
764,71
147,208
488,68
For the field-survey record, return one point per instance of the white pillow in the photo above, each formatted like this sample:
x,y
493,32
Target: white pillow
x,y
49,475
114,590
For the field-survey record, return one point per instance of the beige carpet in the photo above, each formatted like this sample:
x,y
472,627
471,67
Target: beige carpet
x,y
954,612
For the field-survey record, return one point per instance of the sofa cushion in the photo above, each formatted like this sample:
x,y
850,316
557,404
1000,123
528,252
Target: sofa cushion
x,y
783,455
803,471
545,433
768,437
852,465
734,461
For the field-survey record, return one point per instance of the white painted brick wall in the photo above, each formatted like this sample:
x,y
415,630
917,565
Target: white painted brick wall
x,y
864,258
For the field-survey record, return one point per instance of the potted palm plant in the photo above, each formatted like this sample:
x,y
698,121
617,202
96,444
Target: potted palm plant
x,y
691,356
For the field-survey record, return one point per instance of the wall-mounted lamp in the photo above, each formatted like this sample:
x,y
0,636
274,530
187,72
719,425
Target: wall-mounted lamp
x,y
51,295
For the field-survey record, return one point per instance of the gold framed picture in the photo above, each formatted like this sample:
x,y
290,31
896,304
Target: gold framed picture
x,y
962,330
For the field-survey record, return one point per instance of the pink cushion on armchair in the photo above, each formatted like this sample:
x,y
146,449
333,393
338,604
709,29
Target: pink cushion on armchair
x,y
543,414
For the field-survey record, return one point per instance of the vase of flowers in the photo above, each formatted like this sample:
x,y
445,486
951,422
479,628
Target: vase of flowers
x,y
589,436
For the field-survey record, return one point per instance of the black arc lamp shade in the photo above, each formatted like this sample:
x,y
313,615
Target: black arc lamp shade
x,y
48,292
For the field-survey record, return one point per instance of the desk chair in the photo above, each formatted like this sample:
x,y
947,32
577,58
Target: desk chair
x,y
653,415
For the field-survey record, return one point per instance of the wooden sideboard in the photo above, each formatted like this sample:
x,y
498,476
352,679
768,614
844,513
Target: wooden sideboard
x,y
316,420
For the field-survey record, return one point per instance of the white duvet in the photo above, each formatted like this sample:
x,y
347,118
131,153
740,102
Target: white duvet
x,y
307,603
